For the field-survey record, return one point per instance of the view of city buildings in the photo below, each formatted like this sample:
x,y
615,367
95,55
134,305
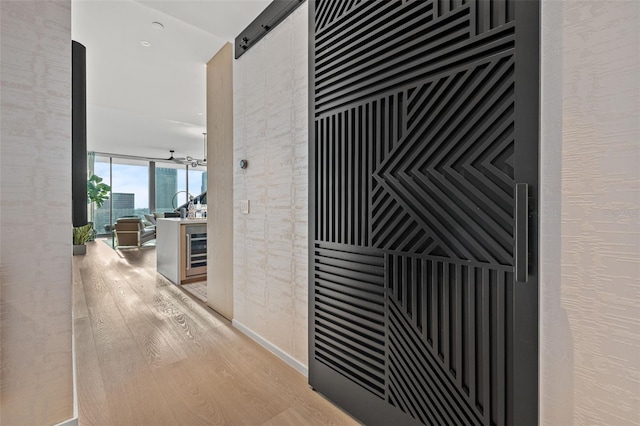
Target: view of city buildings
x,y
166,188
132,197
123,205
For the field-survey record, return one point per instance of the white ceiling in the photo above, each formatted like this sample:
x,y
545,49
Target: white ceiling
x,y
145,100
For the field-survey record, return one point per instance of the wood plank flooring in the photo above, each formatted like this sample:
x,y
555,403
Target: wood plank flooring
x,y
197,289
149,354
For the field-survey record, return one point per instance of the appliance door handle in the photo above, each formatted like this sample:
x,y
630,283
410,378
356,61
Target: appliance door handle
x,y
188,251
521,255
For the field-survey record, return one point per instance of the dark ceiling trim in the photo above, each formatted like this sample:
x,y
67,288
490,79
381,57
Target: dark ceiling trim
x,y
275,13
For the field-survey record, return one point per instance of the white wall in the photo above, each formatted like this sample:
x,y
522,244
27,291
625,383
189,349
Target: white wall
x,y
590,286
35,213
270,84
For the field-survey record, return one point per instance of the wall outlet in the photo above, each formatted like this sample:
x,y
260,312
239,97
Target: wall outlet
x,y
244,206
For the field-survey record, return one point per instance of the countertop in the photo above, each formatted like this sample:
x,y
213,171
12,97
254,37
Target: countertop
x,y
182,221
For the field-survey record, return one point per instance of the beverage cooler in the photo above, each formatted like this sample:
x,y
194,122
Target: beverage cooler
x,y
196,250
182,249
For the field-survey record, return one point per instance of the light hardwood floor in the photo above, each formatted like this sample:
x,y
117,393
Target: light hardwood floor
x,y
197,290
149,354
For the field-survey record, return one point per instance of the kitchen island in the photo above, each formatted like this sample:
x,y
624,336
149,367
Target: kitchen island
x,y
181,247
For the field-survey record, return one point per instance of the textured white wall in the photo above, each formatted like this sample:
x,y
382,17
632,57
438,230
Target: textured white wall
x,y
271,131
590,250
35,212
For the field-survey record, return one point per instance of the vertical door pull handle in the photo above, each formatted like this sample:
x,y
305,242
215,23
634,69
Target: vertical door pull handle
x,y
521,256
188,252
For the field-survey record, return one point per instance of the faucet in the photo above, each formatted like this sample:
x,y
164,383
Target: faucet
x,y
189,198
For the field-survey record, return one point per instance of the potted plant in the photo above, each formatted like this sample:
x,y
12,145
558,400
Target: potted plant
x,y
97,192
82,234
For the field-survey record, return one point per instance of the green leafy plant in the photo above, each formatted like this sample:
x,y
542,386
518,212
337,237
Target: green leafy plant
x,y
82,234
97,191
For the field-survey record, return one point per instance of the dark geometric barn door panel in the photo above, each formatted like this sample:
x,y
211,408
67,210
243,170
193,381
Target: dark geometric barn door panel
x,y
424,170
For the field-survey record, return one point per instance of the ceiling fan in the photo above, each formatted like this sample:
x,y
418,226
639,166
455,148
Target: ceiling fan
x,y
176,159
193,162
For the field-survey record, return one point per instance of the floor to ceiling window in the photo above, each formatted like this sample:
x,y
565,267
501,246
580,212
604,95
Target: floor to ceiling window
x,y
129,188
171,186
197,181
101,216
131,194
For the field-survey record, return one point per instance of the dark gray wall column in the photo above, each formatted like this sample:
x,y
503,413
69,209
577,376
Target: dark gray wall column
x,y
79,134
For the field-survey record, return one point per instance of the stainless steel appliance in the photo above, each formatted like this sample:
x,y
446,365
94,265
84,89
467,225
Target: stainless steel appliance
x,y
196,247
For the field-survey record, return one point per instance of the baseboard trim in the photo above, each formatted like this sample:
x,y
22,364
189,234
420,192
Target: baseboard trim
x,y
74,420
301,368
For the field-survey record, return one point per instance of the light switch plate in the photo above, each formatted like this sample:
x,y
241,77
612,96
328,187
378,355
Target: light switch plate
x,y
244,206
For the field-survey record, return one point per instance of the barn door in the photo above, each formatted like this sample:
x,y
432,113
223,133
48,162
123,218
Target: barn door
x,y
424,170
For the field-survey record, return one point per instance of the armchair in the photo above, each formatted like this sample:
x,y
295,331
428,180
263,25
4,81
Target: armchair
x,y
131,231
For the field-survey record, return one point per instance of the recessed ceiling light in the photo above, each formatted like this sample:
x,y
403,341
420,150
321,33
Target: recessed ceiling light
x,y
157,25
145,43
198,113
